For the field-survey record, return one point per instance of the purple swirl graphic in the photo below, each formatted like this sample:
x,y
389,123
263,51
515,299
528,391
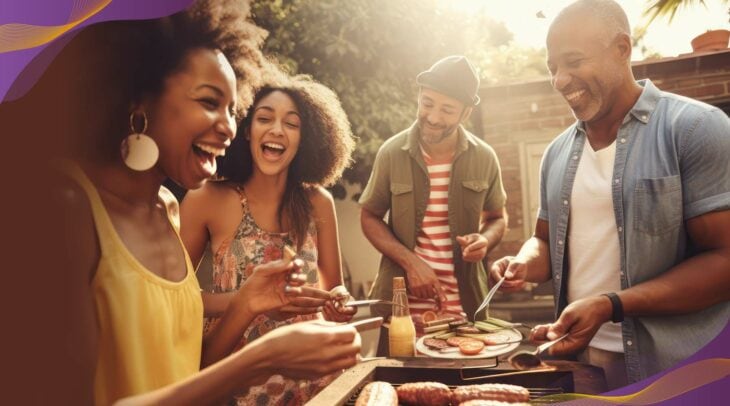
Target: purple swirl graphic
x,y
20,19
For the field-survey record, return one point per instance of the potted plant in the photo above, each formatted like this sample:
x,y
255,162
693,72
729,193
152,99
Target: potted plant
x,y
712,40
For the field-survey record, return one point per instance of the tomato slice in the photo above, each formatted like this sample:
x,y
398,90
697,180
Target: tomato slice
x,y
428,315
471,347
456,341
495,339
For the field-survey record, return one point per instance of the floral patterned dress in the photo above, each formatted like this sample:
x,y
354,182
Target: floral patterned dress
x,y
233,262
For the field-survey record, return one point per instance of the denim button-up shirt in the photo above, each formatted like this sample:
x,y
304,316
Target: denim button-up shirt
x,y
672,163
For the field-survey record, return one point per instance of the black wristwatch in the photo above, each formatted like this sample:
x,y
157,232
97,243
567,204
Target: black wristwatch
x,y
617,313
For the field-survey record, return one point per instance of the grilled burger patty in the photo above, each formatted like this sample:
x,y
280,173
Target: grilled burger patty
x,y
435,343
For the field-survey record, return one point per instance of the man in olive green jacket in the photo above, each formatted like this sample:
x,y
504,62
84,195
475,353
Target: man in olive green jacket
x,y
442,186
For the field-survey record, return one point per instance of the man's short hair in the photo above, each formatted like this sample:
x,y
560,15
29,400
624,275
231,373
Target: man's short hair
x,y
608,13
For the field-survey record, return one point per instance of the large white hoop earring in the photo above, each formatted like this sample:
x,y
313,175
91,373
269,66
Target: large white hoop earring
x,y
139,150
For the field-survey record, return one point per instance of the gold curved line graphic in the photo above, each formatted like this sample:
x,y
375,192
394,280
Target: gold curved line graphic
x,y
79,8
673,384
14,36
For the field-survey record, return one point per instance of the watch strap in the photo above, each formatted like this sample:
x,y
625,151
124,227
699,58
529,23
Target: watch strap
x,y
617,312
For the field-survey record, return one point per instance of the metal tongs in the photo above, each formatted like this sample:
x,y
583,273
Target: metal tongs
x,y
367,302
487,299
524,360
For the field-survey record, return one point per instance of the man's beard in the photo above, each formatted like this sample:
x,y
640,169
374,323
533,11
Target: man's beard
x,y
435,139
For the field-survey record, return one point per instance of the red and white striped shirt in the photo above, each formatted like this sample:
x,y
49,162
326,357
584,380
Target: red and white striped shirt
x,y
434,245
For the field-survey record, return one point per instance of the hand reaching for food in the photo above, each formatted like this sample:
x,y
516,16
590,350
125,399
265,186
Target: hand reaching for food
x,y
309,300
270,286
275,285
320,349
513,269
580,319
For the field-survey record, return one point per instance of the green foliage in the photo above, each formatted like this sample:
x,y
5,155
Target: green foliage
x,y
669,8
370,51
511,63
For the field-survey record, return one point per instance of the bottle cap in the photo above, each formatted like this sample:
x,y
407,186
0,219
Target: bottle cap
x,y
399,282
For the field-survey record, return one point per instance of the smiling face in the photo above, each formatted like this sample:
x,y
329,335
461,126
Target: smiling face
x,y
192,120
438,116
585,66
274,134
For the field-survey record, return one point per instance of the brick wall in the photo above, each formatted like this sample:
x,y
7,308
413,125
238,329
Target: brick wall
x,y
519,114
511,115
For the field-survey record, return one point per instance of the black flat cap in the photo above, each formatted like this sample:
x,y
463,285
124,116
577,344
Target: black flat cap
x,y
453,76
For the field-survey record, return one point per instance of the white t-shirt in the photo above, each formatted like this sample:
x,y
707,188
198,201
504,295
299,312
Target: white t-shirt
x,y
593,244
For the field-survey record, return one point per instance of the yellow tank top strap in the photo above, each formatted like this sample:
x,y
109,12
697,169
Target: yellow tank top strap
x,y
172,207
104,226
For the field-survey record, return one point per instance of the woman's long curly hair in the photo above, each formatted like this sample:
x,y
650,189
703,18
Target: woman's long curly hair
x,y
324,151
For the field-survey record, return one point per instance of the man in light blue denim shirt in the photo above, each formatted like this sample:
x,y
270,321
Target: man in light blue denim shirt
x,y
666,279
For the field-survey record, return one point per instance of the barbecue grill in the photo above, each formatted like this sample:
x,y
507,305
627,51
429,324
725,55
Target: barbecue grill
x,y
561,377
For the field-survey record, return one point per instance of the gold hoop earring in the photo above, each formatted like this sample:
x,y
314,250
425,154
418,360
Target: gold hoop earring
x,y
139,150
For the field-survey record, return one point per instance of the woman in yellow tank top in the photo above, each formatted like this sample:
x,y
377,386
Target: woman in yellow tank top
x,y
161,103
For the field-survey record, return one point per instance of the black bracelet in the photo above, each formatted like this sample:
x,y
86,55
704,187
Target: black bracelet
x,y
617,313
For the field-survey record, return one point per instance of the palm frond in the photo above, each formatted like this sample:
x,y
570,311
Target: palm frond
x,y
668,8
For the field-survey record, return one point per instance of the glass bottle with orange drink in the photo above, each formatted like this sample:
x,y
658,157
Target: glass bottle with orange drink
x,y
402,332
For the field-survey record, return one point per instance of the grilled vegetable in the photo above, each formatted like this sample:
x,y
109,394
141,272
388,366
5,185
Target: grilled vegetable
x,y
467,330
500,323
445,335
488,327
436,328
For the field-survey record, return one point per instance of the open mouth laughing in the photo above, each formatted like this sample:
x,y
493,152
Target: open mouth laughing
x,y
272,150
207,154
573,97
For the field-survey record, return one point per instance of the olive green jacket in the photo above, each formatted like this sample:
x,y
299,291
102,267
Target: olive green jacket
x,y
399,183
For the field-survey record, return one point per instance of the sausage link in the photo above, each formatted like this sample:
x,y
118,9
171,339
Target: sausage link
x,y
491,391
480,402
424,394
377,393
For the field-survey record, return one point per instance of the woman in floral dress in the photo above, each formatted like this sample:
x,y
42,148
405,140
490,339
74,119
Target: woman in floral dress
x,y
294,141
